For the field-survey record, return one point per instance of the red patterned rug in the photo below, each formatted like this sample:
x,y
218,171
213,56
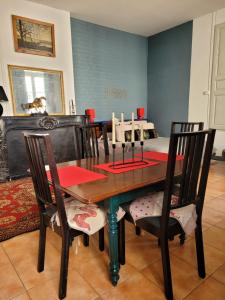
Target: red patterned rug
x,y
18,208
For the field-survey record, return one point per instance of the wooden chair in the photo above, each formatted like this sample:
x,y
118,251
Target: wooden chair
x,y
87,137
40,152
180,127
192,192
87,140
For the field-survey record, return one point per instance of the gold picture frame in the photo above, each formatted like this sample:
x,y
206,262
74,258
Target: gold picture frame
x,y
28,83
33,36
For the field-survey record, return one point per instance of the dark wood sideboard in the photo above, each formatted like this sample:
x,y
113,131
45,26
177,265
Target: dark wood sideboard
x,y
13,158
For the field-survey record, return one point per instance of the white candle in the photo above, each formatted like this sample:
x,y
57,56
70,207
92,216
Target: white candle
x,y
113,129
142,134
132,127
122,126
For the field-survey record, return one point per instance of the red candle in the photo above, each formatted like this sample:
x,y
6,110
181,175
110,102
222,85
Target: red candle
x,y
90,112
140,112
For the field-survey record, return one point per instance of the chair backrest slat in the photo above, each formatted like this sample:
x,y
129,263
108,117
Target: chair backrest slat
x,y
89,141
40,153
38,174
185,127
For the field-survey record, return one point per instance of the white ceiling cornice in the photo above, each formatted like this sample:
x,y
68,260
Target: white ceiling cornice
x,y
144,17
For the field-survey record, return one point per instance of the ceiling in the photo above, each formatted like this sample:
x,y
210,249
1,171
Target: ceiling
x,y
144,17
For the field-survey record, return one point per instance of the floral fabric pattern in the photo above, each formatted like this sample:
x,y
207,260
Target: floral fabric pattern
x,y
151,206
88,218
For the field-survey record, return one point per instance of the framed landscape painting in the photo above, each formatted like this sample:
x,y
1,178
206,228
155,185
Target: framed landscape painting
x,y
33,37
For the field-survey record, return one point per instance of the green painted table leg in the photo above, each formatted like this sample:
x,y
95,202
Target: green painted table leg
x,y
113,240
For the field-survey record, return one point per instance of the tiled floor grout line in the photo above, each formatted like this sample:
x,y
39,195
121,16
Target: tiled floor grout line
x,y
99,296
219,226
195,288
15,271
211,276
21,295
40,284
216,210
217,279
206,243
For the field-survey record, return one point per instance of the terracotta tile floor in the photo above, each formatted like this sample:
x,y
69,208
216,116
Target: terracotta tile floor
x,y
140,278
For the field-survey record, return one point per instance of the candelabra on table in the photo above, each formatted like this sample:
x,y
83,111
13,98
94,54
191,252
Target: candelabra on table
x,y
127,163
133,161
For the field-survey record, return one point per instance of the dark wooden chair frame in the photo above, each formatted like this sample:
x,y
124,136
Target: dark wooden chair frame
x,y
185,127
192,190
37,145
87,137
180,126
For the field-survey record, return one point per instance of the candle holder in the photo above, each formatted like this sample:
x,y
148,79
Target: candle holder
x,y
142,150
114,150
132,148
128,164
123,147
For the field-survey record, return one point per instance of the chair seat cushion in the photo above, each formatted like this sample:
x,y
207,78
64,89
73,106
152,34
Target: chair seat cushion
x,y
153,225
88,218
151,206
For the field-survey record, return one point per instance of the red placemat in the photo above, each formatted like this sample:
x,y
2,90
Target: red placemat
x,y
158,155
72,175
121,169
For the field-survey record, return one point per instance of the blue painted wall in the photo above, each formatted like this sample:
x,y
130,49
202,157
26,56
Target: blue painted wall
x,y
110,69
169,60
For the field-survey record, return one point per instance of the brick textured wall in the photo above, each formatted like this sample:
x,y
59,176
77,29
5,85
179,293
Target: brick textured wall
x,y
110,69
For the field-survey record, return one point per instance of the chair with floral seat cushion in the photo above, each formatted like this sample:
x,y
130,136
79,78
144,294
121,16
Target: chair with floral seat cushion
x,y
88,219
176,127
87,136
166,215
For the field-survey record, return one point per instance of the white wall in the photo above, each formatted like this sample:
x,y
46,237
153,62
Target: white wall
x,y
63,60
201,67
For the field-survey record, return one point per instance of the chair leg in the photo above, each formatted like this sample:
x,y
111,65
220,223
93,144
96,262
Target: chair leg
x,y
159,243
64,266
166,268
182,238
85,240
41,247
200,251
121,243
137,230
101,240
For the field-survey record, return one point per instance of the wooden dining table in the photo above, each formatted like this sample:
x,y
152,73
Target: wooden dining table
x,y
114,190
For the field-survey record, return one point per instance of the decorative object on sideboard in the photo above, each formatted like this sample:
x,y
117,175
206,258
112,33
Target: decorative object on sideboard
x,y
140,113
48,123
90,112
72,107
37,107
33,36
28,83
3,98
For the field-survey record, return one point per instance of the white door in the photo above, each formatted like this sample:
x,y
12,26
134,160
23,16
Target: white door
x,y
217,101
